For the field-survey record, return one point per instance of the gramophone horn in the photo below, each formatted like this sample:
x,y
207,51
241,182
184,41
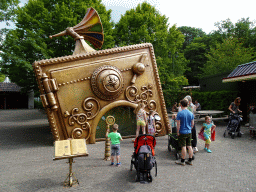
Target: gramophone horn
x,y
90,28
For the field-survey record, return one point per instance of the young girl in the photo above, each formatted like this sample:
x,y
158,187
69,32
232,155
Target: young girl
x,y
208,129
141,119
151,123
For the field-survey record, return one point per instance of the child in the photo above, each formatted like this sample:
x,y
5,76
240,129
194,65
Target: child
x,y
208,128
115,138
174,123
151,123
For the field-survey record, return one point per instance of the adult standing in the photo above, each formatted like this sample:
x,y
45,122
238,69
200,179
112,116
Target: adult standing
x,y
192,108
234,108
198,106
185,122
174,107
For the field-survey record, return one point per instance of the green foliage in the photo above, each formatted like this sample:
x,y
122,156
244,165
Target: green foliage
x,y
226,57
35,22
7,8
2,77
145,24
190,34
38,104
217,100
141,25
172,96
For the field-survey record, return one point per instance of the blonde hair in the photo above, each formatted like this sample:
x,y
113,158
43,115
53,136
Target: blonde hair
x,y
140,106
115,127
207,117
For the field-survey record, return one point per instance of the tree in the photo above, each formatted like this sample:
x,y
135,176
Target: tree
x,y
190,34
35,22
7,8
226,57
172,68
145,24
141,25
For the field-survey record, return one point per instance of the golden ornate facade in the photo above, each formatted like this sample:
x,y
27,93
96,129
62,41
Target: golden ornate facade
x,y
78,90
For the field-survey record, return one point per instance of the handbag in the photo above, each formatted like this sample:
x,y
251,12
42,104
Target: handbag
x,y
201,134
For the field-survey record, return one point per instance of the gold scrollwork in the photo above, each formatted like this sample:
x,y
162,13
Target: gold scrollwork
x,y
132,95
78,132
158,126
91,106
78,118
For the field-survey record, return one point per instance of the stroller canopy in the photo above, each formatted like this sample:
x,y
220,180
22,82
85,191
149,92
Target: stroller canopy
x,y
145,139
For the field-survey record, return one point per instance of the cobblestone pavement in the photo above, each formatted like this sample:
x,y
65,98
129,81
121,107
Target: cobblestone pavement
x,y
26,152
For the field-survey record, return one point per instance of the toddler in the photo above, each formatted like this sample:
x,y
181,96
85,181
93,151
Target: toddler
x,y
151,123
115,138
208,128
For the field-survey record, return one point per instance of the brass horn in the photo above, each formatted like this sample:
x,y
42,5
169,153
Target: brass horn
x,y
90,28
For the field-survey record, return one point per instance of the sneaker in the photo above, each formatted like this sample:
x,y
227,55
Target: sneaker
x,y
118,164
205,149
189,162
112,163
195,150
180,163
209,151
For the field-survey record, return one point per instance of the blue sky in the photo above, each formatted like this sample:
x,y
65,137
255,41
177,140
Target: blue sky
x,y
194,13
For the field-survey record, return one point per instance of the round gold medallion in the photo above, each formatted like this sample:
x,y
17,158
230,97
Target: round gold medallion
x,y
107,82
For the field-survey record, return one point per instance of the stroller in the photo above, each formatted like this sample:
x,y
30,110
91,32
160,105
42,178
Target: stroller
x,y
233,126
143,158
173,143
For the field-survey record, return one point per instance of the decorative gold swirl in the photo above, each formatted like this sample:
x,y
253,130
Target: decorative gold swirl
x,y
158,126
152,105
91,106
78,118
132,95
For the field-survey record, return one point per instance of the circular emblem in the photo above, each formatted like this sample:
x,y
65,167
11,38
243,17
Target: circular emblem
x,y
107,82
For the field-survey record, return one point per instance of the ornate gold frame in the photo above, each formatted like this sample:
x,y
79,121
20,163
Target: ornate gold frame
x,y
78,90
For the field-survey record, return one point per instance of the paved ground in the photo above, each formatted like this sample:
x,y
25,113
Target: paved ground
x,y
26,152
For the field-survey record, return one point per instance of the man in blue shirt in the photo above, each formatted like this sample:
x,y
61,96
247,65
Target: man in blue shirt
x,y
185,122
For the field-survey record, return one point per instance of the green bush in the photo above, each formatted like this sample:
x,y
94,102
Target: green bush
x,y
38,104
216,100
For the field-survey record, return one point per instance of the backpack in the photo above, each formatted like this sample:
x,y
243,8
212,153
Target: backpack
x,y
145,158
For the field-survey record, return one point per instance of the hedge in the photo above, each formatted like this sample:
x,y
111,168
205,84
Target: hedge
x,y
216,100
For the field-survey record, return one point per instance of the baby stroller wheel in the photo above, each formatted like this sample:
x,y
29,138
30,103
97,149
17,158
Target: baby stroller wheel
x,y
150,178
232,135
131,166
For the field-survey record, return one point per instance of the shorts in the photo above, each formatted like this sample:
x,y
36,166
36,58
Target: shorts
x,y
115,150
184,140
142,123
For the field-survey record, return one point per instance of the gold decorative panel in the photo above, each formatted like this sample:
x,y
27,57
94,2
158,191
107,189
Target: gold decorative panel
x,y
78,90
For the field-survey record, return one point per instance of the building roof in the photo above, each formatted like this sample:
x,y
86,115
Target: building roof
x,y
242,72
9,87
